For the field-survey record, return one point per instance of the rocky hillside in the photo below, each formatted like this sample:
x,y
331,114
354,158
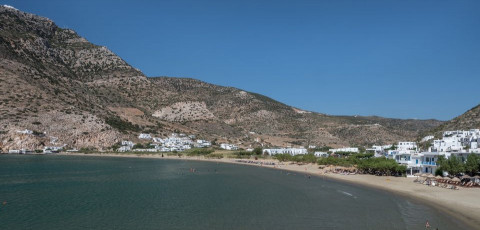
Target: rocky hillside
x,y
72,92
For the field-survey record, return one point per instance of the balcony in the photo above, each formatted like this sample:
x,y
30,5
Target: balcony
x,y
429,163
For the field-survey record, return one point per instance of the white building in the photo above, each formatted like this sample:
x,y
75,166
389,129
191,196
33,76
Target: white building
x,y
125,148
379,150
447,144
52,149
19,151
425,162
346,149
127,143
406,145
291,151
427,138
26,131
458,141
203,144
144,136
321,154
158,140
145,150
228,146
452,143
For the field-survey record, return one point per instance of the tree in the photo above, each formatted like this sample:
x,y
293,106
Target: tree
x,y
309,158
258,151
472,165
362,149
455,165
442,165
391,148
116,146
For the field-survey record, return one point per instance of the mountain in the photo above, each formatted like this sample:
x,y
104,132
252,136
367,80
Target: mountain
x,y
72,92
466,121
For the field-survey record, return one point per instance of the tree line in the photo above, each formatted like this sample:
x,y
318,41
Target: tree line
x,y
364,162
456,166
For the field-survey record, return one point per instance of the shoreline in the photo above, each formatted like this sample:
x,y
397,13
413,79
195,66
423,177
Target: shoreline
x,y
463,205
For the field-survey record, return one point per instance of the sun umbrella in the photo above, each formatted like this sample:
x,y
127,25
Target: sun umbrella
x,y
438,177
465,177
430,176
424,175
477,177
446,178
455,179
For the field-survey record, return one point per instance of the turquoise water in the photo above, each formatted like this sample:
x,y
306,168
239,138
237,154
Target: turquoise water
x,y
67,192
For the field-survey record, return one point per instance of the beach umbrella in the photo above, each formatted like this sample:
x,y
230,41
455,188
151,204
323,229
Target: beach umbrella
x,y
465,177
424,175
446,178
477,179
456,179
438,177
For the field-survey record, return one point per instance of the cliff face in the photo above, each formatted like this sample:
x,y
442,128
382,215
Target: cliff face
x,y
55,82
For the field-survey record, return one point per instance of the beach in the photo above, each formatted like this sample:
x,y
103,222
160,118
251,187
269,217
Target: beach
x,y
463,204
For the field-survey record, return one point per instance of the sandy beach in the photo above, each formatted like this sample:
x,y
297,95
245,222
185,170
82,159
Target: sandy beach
x,y
463,204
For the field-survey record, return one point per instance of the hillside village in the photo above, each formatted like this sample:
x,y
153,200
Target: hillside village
x,y
460,144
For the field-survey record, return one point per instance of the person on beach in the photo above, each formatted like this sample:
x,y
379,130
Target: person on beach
x,y
427,225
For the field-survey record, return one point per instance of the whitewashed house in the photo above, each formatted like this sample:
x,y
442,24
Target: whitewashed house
x,y
145,150
379,150
228,146
127,143
427,138
26,131
447,144
425,162
406,145
321,154
52,149
346,149
125,148
203,144
144,136
291,151
158,140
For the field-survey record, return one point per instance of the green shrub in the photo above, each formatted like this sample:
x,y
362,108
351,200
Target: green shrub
x,y
258,151
243,153
121,125
198,151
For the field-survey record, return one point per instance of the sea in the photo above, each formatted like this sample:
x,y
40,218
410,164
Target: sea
x,y
87,192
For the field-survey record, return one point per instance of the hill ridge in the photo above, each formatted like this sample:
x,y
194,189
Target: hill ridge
x,y
84,95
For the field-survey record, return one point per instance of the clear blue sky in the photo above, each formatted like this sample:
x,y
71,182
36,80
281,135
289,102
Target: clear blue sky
x,y
403,59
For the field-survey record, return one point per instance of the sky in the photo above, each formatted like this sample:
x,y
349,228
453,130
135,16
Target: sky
x,y
399,59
